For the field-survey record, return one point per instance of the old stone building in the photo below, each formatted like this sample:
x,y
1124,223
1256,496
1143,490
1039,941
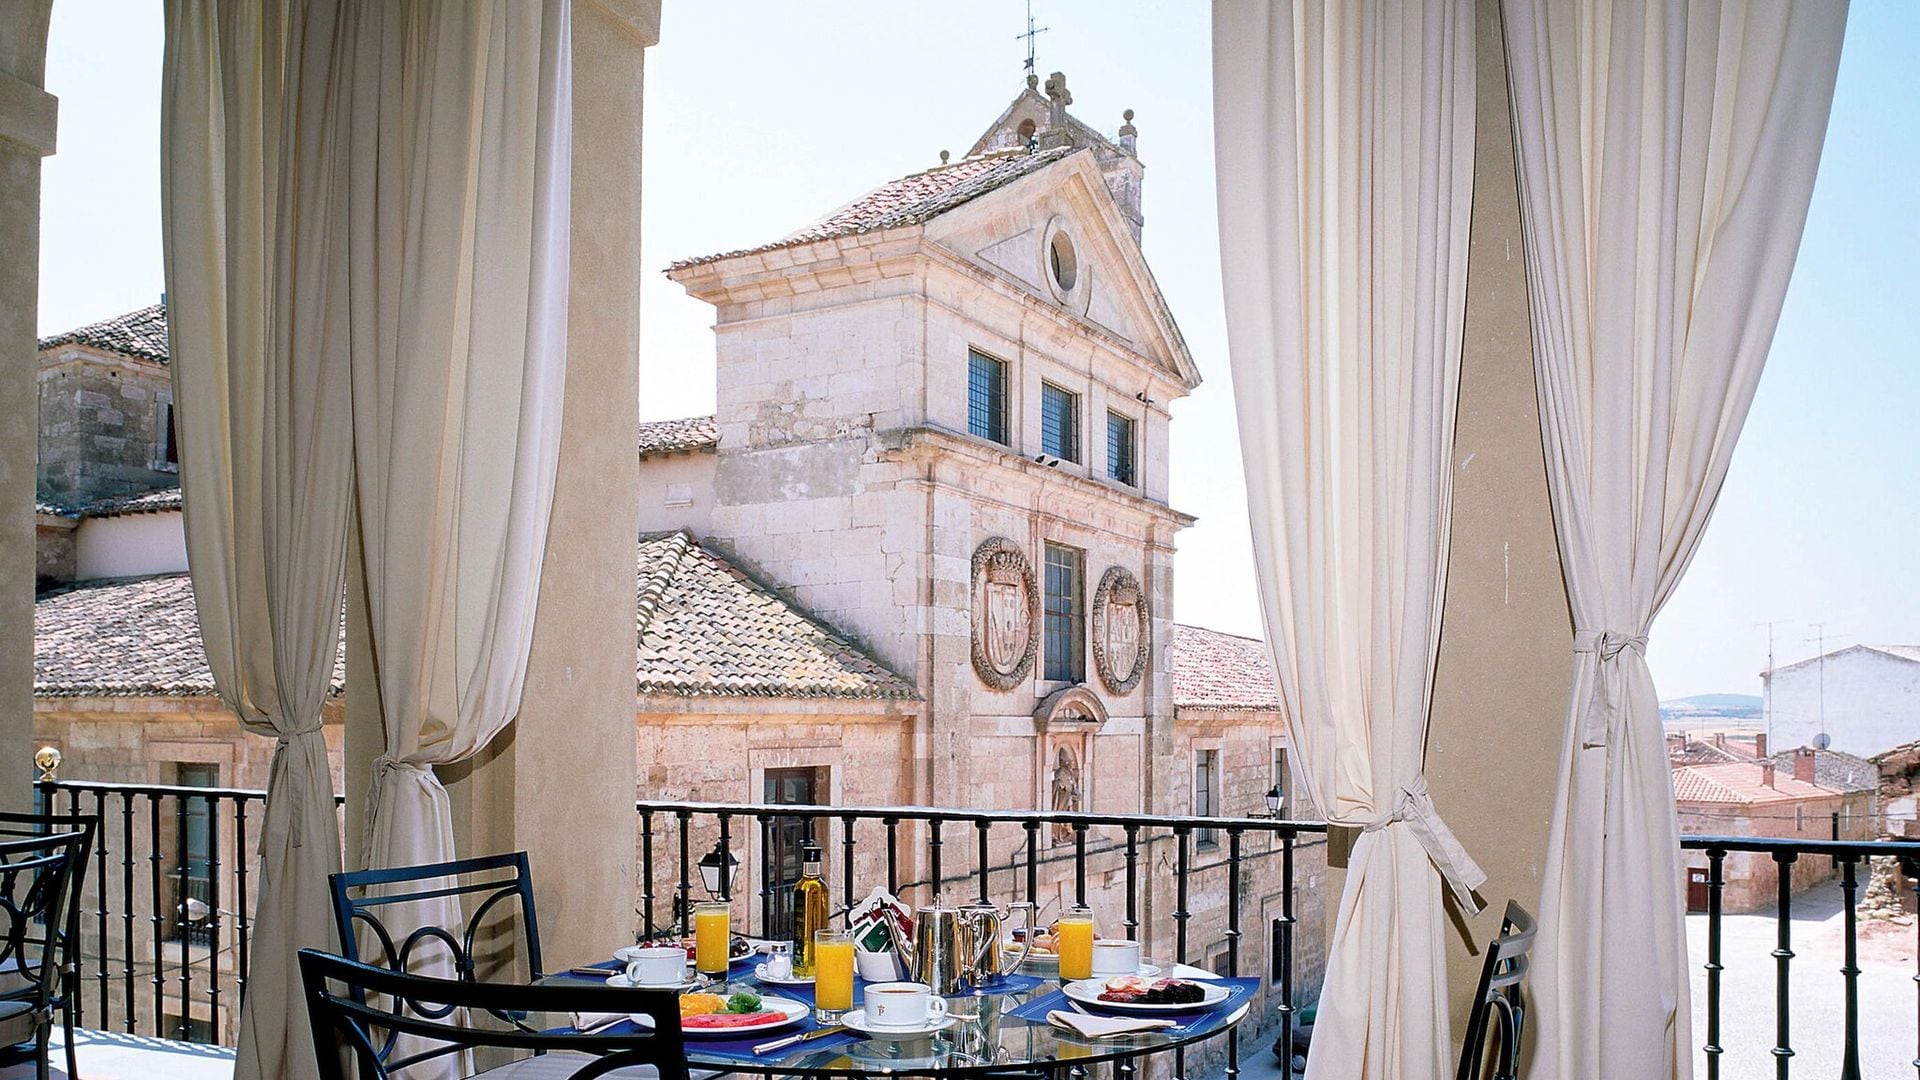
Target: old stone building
x,y
1796,795
922,554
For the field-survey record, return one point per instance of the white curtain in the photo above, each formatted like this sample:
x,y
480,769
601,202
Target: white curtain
x,y
1344,144
459,359
258,341
366,215
1666,158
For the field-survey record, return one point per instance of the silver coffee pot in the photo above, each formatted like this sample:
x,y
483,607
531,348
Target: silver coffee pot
x,y
956,949
984,926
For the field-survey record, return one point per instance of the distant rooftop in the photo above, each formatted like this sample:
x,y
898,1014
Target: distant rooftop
x,y
673,436
1212,670
141,333
1740,782
910,200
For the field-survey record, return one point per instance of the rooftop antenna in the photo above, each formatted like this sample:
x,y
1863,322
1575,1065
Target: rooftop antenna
x,y
1766,702
1033,75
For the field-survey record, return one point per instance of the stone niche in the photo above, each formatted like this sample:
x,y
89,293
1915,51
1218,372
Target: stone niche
x,y
1065,724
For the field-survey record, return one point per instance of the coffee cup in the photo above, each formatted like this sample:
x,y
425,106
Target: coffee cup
x,y
658,965
1114,956
903,1005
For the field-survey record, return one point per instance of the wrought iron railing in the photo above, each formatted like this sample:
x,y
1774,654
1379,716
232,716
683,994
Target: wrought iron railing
x,y
1848,856
919,865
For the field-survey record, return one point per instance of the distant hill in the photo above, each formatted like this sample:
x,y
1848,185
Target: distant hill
x,y
1711,707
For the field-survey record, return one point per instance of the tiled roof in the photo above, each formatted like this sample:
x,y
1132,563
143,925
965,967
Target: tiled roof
x,y
145,502
140,333
1696,752
125,637
707,629
1212,670
1739,782
53,510
910,200
688,433
1834,770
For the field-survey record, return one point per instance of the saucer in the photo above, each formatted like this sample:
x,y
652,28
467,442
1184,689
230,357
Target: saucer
x,y
619,979
1144,971
856,1020
760,972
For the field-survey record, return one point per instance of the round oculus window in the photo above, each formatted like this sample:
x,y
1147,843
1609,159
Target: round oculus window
x,y
1062,261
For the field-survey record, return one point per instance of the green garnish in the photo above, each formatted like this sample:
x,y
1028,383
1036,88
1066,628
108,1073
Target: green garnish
x,y
744,1002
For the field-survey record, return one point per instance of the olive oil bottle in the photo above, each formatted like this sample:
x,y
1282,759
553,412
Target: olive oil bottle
x,y
809,908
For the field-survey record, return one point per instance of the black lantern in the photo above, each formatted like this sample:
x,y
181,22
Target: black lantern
x,y
1275,801
711,865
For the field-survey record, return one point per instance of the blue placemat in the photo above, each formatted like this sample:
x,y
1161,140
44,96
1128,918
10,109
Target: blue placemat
x,y
1238,991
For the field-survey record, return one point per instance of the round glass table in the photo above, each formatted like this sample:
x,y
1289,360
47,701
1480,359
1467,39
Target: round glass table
x,y
988,1036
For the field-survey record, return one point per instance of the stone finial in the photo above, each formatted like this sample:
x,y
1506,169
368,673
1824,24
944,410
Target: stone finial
x,y
944,155
1128,133
1057,91
1033,81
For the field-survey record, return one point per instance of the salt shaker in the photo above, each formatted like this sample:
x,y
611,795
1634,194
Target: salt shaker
x,y
779,963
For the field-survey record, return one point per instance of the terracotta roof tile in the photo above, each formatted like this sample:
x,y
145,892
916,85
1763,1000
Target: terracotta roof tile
x,y
670,436
1212,670
145,502
910,200
126,637
1739,782
141,333
708,629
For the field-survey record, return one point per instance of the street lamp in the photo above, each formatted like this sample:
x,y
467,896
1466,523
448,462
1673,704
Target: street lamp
x,y
710,871
1275,801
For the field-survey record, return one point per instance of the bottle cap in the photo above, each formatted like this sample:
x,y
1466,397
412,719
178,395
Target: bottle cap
x,y
809,852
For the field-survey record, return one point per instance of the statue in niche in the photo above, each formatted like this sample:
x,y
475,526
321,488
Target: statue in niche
x,y
1066,791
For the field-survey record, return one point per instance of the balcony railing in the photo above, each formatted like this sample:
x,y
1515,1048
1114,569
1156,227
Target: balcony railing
x,y
155,964
1849,857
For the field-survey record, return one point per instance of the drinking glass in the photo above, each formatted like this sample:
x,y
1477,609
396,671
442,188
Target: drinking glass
x,y
832,974
1073,940
712,937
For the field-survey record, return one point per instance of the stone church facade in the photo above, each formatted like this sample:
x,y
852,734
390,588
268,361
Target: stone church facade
x,y
922,553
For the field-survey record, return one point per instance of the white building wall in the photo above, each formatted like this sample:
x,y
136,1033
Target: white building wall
x,y
676,492
1872,702
131,545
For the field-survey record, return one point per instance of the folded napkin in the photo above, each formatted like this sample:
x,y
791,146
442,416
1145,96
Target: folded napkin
x,y
1100,1027
589,1022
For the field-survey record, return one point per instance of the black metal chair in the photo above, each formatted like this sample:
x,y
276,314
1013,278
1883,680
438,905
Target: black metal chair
x,y
485,882
38,878
427,1012
1498,1000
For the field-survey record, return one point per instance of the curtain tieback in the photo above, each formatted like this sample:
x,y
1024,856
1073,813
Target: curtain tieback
x,y
1609,694
383,768
1413,806
289,781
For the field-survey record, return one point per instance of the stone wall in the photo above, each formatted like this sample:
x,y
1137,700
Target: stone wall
x,y
54,551
1753,879
101,426
676,492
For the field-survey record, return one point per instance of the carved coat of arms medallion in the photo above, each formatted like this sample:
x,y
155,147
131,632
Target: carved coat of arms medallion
x,y
1005,612
1121,635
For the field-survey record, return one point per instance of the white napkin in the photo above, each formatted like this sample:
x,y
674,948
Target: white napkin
x,y
1100,1027
593,1021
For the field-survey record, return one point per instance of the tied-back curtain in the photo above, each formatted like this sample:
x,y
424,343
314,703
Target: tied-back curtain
x,y
258,342
1666,159
463,113
1344,144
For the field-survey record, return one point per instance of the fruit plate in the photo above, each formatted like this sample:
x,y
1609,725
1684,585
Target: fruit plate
x,y
1087,992
788,1010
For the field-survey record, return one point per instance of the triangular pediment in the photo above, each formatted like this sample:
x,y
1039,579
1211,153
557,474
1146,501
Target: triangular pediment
x,y
1010,233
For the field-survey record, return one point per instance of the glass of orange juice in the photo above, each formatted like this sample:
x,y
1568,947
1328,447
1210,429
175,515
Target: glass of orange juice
x,y
832,974
712,937
1073,940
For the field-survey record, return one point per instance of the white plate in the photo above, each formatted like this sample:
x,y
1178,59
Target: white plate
x,y
760,972
856,1020
1087,992
619,979
793,1011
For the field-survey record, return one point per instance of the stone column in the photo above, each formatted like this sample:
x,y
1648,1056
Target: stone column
x,y
560,783
27,120
1506,636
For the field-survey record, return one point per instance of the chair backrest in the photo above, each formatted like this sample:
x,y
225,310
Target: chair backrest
x,y
429,1011
1499,999
361,896
62,941
37,875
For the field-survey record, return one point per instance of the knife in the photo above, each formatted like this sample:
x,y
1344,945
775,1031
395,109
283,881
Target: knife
x,y
782,1044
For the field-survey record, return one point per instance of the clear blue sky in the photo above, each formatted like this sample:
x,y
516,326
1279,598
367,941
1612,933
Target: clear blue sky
x,y
763,115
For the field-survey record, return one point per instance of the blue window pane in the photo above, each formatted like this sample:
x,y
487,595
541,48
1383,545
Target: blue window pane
x,y
1059,423
1120,448
987,397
